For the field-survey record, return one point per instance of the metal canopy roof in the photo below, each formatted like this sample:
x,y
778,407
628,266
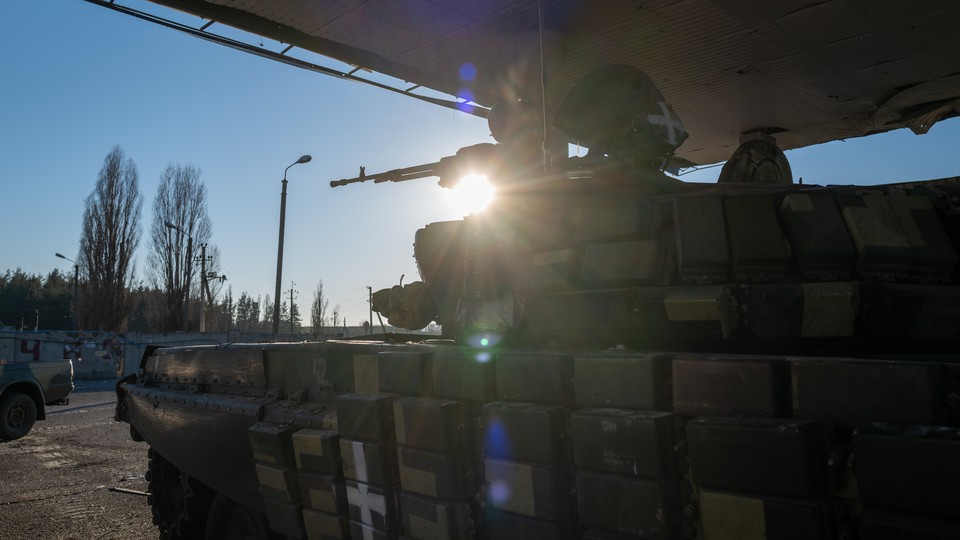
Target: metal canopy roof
x,y
808,71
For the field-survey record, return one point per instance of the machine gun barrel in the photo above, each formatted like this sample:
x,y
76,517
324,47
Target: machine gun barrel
x,y
395,175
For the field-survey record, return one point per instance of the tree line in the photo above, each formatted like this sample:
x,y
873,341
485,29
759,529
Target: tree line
x,y
44,302
182,279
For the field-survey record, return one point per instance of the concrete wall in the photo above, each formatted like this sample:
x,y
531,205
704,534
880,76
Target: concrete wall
x,y
102,355
94,355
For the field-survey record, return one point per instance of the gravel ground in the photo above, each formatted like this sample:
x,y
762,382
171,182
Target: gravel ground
x,y
59,481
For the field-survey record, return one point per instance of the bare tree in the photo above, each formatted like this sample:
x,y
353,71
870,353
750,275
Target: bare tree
x,y
336,316
318,311
181,201
110,236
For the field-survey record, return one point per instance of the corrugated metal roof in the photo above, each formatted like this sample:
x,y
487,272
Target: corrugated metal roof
x,y
816,69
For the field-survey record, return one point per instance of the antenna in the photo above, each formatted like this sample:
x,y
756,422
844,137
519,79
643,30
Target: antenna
x,y
545,143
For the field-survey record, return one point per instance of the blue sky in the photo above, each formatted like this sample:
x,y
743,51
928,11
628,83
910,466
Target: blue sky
x,y
78,79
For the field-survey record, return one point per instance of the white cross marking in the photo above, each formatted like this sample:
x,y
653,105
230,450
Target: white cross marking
x,y
668,121
368,503
359,461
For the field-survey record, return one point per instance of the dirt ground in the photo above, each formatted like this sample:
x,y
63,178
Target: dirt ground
x,y
59,481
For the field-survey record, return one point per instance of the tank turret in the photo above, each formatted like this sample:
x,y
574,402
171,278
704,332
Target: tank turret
x,y
607,250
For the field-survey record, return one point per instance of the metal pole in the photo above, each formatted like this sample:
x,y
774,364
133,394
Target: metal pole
x,y
276,296
76,276
76,279
203,287
186,300
291,307
545,144
283,213
370,302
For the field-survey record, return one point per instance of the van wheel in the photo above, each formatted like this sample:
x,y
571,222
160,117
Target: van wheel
x,y
17,414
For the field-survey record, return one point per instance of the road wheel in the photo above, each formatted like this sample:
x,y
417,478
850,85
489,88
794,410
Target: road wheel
x,y
179,503
17,414
228,521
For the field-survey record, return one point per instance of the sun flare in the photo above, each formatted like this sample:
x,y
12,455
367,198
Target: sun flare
x,y
472,194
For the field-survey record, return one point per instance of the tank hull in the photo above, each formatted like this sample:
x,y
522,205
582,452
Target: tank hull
x,y
436,440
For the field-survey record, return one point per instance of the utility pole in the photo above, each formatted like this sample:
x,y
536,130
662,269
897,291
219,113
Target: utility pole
x,y
186,292
189,260
370,302
212,276
292,284
203,287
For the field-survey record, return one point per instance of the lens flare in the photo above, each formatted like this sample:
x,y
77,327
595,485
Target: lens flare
x,y
497,441
468,71
499,491
472,194
484,340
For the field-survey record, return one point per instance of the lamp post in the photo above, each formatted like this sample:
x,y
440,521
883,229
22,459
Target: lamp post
x,y
76,273
370,302
186,300
283,211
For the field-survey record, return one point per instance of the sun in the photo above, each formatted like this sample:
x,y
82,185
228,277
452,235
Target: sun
x,y
471,195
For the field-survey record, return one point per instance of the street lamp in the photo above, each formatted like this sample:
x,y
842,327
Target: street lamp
x,y
283,211
76,272
186,301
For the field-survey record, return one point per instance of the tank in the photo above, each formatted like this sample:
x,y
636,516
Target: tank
x,y
624,355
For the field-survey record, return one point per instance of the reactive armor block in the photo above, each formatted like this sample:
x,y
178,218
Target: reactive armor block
x,y
729,516
272,443
375,506
366,416
430,424
317,450
536,490
627,442
701,239
630,505
425,517
326,526
371,462
447,476
323,492
908,469
758,250
527,431
278,482
629,381
535,378
754,455
850,392
818,236
708,386
405,373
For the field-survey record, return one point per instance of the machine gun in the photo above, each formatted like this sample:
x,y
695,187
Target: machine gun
x,y
474,159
